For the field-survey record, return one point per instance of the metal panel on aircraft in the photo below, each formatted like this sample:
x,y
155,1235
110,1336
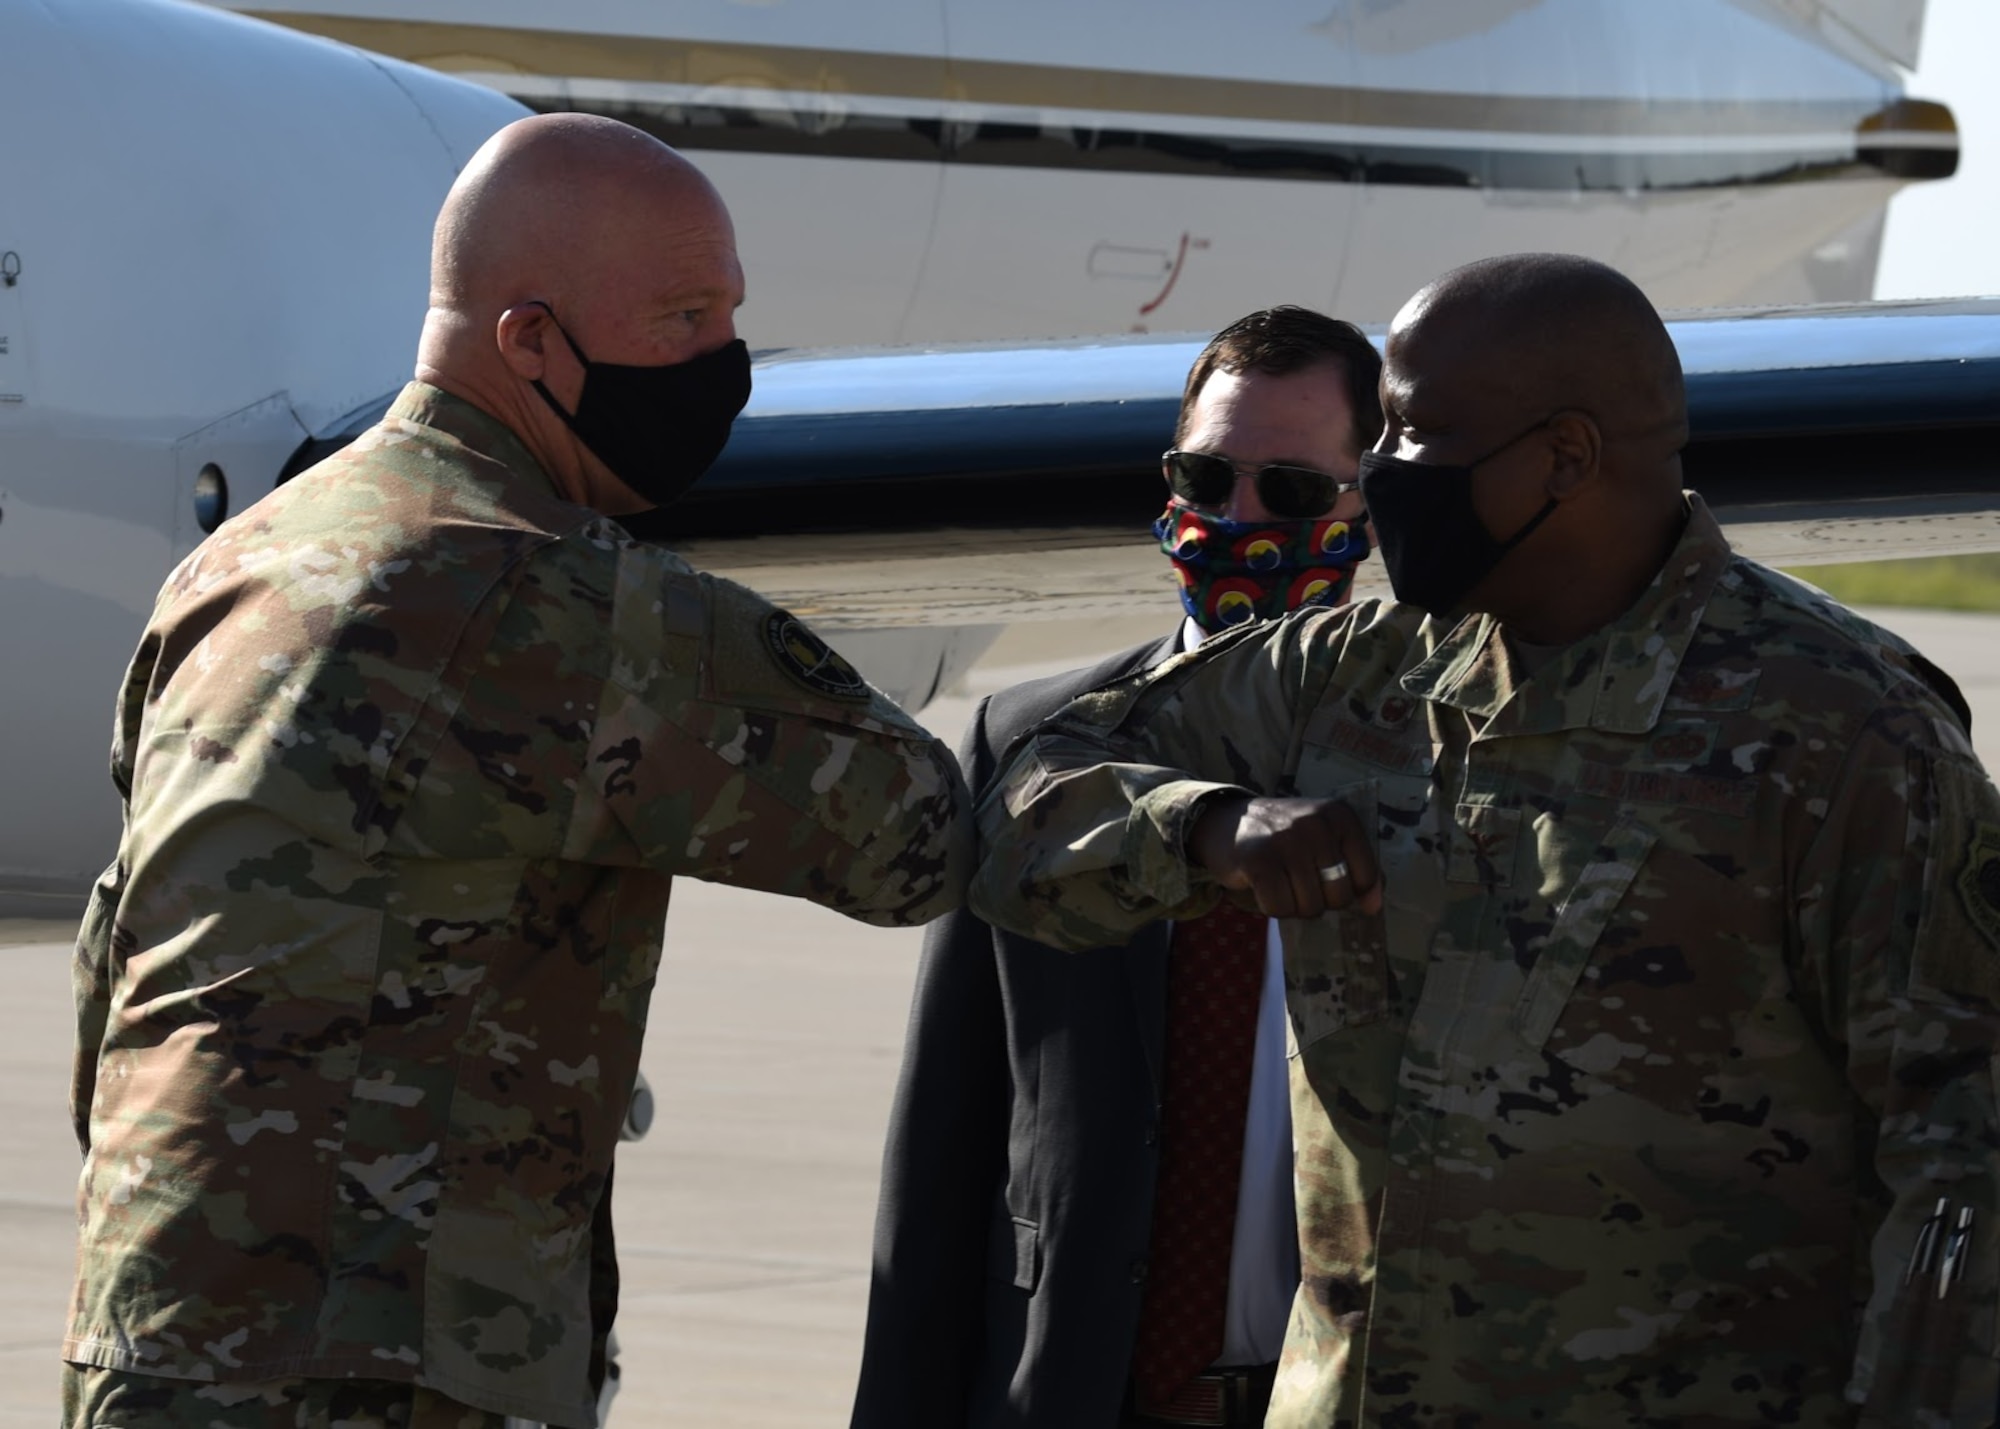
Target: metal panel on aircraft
x,y
13,331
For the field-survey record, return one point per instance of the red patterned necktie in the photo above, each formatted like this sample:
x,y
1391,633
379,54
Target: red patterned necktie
x,y
1215,975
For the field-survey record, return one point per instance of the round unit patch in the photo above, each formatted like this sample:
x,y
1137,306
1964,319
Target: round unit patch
x,y
810,660
1979,881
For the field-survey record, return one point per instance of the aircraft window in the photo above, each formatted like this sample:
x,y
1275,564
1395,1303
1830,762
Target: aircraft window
x,y
211,498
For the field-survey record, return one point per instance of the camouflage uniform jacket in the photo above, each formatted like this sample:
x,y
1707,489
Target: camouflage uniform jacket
x,y
1677,1024
410,752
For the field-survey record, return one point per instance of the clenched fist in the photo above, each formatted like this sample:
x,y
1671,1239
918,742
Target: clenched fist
x,y
1297,858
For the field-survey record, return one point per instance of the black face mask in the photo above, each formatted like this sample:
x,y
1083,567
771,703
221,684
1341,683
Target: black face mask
x,y
1433,546
657,428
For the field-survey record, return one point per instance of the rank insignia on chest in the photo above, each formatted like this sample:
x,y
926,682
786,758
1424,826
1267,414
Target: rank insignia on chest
x,y
1682,743
1979,881
810,660
1712,690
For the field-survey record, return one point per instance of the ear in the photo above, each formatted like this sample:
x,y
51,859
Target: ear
x,y
1576,449
522,336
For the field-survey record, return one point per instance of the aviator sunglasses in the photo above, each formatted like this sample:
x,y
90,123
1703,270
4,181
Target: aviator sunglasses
x,y
1203,479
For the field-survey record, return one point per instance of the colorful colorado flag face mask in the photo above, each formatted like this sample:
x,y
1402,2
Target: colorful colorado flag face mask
x,y
1234,571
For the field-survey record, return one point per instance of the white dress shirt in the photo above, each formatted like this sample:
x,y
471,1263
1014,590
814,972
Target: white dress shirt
x,y
1264,1256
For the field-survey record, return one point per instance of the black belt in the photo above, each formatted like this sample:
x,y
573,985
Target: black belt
x,y
1221,1399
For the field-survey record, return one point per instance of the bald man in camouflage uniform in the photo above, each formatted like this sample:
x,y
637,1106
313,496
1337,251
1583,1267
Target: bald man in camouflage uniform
x,y
412,751
1643,939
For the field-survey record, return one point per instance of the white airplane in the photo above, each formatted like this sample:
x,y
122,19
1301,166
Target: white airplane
x,y
213,271
211,249
951,170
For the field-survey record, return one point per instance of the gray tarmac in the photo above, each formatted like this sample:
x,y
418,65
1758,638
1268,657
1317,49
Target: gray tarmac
x,y
744,1216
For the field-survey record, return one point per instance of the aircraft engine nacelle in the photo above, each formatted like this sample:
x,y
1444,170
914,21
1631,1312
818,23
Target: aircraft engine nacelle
x,y
213,247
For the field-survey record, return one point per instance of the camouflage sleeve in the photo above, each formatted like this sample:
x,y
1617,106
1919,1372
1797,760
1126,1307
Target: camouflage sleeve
x,y
93,967
1899,915
732,744
90,983
1083,832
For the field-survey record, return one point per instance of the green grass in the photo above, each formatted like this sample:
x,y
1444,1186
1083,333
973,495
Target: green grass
x,y
1937,582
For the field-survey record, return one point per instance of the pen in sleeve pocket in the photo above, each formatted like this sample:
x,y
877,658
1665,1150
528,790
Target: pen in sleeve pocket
x,y
1927,1239
1959,1243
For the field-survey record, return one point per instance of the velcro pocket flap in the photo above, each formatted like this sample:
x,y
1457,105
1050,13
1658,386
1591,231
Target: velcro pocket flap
x,y
1579,924
1957,952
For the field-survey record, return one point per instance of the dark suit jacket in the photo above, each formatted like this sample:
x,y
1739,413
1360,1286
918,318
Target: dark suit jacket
x,y
1017,1186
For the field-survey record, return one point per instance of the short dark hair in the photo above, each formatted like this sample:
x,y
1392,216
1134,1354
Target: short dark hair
x,y
1286,339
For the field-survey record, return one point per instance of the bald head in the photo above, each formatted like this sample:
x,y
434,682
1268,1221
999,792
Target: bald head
x,y
572,236
1541,332
559,205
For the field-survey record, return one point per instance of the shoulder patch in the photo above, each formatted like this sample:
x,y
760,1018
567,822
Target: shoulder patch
x,y
810,660
1979,881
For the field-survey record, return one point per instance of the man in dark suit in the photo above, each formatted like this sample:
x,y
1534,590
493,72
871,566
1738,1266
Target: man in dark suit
x,y
1086,1215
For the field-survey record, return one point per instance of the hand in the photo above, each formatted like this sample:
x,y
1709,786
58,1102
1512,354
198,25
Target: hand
x,y
1297,858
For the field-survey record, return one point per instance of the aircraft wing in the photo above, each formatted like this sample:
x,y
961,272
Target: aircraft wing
x,y
914,502
991,484
1891,29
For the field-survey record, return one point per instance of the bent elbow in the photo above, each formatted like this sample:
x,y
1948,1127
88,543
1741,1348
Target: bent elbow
x,y
925,852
